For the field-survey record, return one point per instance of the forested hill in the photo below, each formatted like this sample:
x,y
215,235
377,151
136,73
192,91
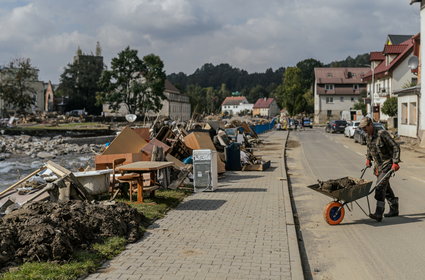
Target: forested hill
x,y
236,79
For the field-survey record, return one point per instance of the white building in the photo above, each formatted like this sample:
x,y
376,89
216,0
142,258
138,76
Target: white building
x,y
233,105
389,73
336,90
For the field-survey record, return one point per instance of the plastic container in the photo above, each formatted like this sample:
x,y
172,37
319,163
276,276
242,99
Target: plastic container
x,y
95,182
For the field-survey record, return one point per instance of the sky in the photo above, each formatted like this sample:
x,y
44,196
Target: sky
x,y
186,34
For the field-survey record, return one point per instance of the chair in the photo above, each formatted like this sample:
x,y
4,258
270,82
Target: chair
x,y
131,178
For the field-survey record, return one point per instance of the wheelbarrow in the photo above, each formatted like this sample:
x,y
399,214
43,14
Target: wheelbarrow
x,y
334,211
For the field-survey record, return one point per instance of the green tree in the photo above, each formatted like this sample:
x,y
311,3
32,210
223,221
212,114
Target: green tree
x,y
79,82
360,106
135,83
306,67
291,90
17,84
390,107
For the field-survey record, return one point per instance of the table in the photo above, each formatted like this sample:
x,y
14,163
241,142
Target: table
x,y
143,167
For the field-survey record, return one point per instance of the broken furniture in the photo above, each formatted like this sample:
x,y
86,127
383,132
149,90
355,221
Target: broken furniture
x,y
142,167
128,144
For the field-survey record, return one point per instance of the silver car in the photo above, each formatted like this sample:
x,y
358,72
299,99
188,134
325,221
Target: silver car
x,y
351,127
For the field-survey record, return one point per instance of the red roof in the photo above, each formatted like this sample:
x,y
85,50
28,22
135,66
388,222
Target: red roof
x,y
394,49
234,100
339,75
376,56
263,103
381,70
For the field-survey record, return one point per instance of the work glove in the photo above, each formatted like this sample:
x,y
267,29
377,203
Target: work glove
x,y
368,163
395,167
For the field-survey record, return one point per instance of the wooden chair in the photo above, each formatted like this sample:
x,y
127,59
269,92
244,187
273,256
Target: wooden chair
x,y
131,179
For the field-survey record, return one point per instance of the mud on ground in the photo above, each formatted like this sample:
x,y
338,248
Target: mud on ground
x,y
47,231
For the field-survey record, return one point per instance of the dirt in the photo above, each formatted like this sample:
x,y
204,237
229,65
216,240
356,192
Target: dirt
x,y
292,144
333,185
46,231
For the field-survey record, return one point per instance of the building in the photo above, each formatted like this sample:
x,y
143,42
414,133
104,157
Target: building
x,y
336,90
389,72
233,105
265,107
176,105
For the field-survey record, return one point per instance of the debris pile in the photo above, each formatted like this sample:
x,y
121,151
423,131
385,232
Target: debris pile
x,y
337,184
44,147
46,231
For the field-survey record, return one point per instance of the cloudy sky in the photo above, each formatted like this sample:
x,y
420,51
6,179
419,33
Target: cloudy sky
x,y
251,35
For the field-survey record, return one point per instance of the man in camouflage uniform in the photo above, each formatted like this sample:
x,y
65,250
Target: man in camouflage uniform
x,y
385,152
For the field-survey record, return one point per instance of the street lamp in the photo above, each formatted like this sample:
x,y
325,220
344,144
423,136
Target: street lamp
x,y
372,91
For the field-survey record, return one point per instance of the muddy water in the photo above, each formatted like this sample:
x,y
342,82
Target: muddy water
x,y
12,169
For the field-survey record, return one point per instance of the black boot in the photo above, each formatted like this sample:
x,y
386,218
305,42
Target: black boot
x,y
393,202
380,207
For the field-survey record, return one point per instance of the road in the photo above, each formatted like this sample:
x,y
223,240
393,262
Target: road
x,y
358,248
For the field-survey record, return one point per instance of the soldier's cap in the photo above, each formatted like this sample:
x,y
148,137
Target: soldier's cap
x,y
365,122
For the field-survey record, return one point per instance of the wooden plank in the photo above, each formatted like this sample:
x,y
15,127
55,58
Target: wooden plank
x,y
127,141
57,169
199,140
105,161
177,163
23,180
145,166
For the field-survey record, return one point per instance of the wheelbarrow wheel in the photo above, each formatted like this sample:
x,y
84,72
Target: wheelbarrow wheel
x,y
331,213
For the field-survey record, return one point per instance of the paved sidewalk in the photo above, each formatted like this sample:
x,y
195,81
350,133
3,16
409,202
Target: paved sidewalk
x,y
244,230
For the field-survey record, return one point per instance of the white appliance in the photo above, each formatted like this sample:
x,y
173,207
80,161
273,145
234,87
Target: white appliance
x,y
204,170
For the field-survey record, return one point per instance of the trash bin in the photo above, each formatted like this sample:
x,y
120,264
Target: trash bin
x,y
233,157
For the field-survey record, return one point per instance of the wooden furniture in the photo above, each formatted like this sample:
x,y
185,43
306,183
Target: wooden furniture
x,y
143,167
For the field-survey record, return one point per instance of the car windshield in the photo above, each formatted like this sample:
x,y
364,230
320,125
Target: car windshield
x,y
340,122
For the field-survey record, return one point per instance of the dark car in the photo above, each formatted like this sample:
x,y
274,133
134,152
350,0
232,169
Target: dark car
x,y
360,136
336,126
307,122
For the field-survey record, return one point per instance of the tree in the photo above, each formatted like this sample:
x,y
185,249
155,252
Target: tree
x,y
16,86
360,106
291,90
306,67
135,83
79,82
390,107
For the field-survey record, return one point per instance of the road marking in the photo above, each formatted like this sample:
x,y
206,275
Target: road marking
x,y
345,146
359,153
420,180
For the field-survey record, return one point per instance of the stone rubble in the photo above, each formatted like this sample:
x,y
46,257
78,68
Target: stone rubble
x,y
44,148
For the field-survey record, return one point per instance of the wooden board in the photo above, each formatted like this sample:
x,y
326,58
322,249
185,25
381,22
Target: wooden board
x,y
143,132
105,161
199,140
202,140
257,167
127,141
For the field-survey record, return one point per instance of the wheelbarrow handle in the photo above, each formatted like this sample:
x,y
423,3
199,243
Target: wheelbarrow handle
x,y
363,171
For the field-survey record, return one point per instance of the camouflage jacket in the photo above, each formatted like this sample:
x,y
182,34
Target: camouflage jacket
x,y
382,149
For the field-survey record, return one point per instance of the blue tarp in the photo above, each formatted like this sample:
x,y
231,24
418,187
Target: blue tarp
x,y
261,128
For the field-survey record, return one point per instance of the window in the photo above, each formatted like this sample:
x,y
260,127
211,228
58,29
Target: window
x,y
412,113
355,86
329,86
414,81
329,100
404,113
353,99
330,75
341,98
329,113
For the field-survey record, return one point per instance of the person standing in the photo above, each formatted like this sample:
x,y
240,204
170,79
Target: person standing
x,y
385,153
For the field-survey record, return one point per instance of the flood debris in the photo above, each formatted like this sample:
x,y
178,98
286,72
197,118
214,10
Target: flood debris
x,y
337,184
52,231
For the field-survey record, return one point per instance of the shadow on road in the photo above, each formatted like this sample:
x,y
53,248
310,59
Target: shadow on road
x,y
402,219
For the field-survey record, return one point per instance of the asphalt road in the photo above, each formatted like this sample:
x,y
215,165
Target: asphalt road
x,y
358,248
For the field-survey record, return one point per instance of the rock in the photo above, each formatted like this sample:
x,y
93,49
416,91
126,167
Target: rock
x,y
45,155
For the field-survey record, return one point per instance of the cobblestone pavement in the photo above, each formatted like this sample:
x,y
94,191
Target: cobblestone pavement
x,y
236,232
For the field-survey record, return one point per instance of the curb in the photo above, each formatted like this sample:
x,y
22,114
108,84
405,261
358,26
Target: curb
x,y
294,251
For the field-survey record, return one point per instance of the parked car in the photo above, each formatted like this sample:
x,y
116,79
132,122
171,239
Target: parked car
x,y
307,122
336,126
350,128
360,136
